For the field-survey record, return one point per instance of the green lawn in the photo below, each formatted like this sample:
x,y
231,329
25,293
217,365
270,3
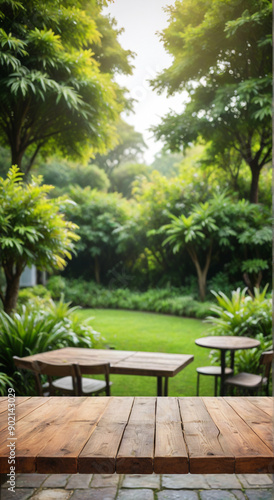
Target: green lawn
x,y
158,333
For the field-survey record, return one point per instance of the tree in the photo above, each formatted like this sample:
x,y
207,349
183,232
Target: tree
x,y
32,231
222,224
130,148
198,233
62,173
123,177
222,57
54,97
98,215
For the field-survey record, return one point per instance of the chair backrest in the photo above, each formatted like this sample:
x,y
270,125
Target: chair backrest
x,y
58,370
27,365
266,360
96,369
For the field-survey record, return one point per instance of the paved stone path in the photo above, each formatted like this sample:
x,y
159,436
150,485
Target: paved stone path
x,y
140,487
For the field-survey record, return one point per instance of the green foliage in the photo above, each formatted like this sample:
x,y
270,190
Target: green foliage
x,y
169,300
61,173
123,177
31,293
242,314
55,95
217,225
38,327
99,216
56,286
33,231
130,148
5,383
248,360
215,49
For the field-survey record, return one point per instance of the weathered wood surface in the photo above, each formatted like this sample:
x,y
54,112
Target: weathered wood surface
x,y
121,362
140,435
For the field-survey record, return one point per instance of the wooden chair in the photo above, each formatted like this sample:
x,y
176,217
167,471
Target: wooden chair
x,y
25,365
213,371
71,381
89,386
66,383
251,383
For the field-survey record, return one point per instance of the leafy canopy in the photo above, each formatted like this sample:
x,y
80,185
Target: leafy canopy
x,y
54,95
222,58
32,228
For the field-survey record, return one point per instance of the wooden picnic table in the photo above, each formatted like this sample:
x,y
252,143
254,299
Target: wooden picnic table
x,y
152,364
140,435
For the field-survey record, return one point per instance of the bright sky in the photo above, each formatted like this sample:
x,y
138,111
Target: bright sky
x,y
141,19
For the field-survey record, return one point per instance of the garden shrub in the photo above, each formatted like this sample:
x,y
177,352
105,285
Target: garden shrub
x,y
5,383
169,300
243,315
31,293
39,328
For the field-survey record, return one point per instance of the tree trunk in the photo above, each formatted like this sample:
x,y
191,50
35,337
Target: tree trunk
x,y
11,295
16,159
254,189
97,269
201,273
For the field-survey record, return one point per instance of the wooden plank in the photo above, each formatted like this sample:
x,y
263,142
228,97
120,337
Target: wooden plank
x,y
265,403
22,408
18,400
79,354
60,453
150,367
259,421
251,454
37,429
205,443
136,451
138,368
99,453
29,438
171,456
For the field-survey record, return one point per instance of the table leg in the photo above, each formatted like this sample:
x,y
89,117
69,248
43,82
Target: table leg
x,y
222,384
166,386
232,360
159,386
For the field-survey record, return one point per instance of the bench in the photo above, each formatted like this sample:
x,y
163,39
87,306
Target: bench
x,y
141,435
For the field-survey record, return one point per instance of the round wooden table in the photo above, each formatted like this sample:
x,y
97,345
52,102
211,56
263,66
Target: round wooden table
x,y
227,343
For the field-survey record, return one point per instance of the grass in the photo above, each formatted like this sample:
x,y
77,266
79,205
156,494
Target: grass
x,y
138,331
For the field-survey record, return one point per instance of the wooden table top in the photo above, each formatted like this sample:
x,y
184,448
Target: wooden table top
x,y
121,362
139,435
227,342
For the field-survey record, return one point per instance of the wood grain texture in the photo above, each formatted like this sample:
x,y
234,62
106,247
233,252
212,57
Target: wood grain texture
x,y
136,452
69,433
140,435
171,455
267,406
205,443
99,453
257,419
251,454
